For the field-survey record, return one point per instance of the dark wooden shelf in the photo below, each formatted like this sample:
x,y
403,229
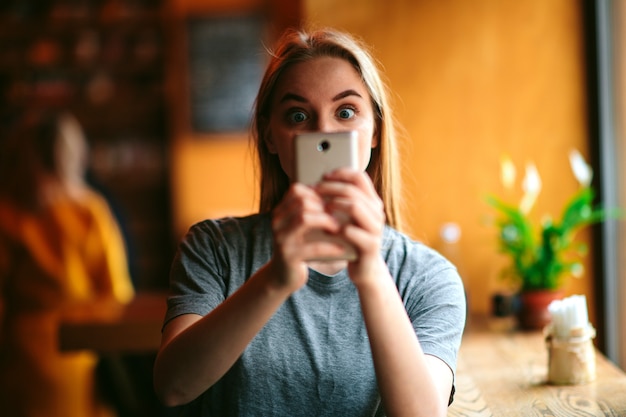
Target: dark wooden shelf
x,y
103,60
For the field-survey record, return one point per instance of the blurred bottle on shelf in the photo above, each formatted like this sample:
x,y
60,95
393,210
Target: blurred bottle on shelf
x,y
503,315
450,236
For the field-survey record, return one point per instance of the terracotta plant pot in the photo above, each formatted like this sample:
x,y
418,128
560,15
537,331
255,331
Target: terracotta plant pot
x,y
533,312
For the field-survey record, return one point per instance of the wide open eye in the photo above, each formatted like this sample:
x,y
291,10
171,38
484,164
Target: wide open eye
x,y
346,113
297,116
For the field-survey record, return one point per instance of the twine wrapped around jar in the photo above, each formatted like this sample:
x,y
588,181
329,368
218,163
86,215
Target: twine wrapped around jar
x,y
571,360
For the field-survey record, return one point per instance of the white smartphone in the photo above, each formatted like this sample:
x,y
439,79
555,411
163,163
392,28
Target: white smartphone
x,y
317,154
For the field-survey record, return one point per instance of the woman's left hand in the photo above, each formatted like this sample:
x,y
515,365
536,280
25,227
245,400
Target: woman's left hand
x,y
351,194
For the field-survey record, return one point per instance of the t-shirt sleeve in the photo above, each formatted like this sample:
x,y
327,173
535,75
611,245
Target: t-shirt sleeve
x,y
196,278
438,314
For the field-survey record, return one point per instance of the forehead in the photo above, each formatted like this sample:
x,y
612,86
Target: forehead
x,y
319,76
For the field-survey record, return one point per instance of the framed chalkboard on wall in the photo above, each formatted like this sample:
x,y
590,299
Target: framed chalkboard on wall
x,y
226,62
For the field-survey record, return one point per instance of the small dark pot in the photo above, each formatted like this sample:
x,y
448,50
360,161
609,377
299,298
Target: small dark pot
x,y
533,310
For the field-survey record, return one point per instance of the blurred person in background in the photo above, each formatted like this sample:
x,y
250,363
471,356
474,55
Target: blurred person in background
x,y
61,254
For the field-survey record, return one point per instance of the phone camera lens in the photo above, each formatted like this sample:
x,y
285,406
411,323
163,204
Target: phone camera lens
x,y
323,146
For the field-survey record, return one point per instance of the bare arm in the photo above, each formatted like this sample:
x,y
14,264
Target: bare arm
x,y
410,382
196,351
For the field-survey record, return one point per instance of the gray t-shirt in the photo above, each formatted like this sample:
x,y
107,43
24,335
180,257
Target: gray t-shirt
x,y
313,357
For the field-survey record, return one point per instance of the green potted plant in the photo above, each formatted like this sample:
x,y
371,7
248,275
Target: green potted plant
x,y
542,257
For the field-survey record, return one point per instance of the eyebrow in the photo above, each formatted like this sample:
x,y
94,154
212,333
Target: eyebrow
x,y
345,94
296,97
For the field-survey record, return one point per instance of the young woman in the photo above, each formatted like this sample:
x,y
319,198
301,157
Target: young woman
x,y
253,329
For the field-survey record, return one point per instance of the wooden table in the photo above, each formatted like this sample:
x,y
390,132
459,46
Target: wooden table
x,y
135,328
503,373
126,338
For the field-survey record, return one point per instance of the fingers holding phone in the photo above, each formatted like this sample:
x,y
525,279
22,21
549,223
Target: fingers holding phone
x,y
296,221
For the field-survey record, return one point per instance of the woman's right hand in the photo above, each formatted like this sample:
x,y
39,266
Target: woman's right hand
x,y
300,212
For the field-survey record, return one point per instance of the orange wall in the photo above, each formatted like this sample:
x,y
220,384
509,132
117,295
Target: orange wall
x,y
473,80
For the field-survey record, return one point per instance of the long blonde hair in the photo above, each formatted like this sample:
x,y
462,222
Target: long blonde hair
x,y
300,46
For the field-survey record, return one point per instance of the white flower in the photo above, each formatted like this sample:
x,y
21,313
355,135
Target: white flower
x,y
582,171
507,172
577,270
531,186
